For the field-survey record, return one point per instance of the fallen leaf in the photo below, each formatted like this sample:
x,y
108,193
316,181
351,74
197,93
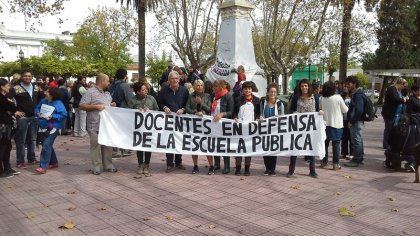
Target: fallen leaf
x,y
198,226
29,216
68,225
71,208
71,140
395,210
146,218
212,226
344,212
347,176
392,199
242,178
163,160
12,186
337,193
405,232
297,187
45,205
353,206
101,209
169,217
72,192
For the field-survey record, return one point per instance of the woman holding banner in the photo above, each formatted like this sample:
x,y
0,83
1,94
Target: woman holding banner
x,y
222,107
143,102
199,103
305,101
271,106
247,109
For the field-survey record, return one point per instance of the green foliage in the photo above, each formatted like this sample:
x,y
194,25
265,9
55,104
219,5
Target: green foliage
x,y
368,61
397,35
156,66
363,79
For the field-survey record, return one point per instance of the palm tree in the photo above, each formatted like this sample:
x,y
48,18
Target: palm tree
x,y
142,6
348,6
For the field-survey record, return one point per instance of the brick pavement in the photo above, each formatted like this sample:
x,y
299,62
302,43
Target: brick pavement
x,y
179,203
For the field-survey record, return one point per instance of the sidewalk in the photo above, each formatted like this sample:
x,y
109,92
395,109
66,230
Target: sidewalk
x,y
179,203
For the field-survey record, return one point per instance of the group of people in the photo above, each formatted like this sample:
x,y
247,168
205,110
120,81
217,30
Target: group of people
x,y
342,110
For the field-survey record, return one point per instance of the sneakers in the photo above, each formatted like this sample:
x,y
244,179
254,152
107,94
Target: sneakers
x,y
181,167
386,164
40,170
34,162
290,174
273,173
313,174
195,170
55,166
112,170
410,167
6,175
12,171
211,170
21,166
336,166
169,168
352,164
267,172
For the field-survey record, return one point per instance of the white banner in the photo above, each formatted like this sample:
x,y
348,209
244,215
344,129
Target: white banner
x,y
154,131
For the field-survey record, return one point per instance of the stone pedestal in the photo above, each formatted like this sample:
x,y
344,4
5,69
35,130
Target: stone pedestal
x,y
235,46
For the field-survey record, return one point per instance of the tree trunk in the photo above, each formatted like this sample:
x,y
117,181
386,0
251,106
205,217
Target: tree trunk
x,y
345,38
284,83
385,85
141,11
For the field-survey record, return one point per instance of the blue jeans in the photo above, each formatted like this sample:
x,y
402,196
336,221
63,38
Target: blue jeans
x,y
26,130
48,156
336,151
357,141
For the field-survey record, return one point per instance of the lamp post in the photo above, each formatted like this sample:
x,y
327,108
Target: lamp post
x,y
21,56
309,63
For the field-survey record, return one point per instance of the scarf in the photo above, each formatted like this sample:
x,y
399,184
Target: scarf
x,y
217,96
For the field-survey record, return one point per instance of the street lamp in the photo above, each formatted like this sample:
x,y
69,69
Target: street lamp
x,y
21,56
309,63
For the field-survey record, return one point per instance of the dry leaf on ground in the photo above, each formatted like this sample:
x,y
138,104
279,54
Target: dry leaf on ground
x,y
212,226
101,209
297,187
71,192
45,205
395,210
347,176
169,217
242,178
29,216
337,193
198,226
68,225
146,218
137,177
66,163
71,208
405,232
392,199
344,212
12,186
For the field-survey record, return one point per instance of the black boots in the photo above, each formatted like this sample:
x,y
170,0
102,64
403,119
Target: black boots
x,y
216,163
226,161
247,173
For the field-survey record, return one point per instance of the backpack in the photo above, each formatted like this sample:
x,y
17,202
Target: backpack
x,y
369,111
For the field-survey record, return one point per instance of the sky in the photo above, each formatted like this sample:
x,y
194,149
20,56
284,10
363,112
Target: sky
x,y
73,15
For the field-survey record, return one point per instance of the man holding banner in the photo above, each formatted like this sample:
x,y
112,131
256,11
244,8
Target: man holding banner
x,y
173,98
96,99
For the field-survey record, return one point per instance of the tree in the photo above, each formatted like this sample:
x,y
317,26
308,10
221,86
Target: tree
x,y
155,67
191,26
348,6
141,6
284,38
35,9
397,34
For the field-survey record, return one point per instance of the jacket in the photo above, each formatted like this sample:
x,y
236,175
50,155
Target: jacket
x,y
6,107
279,107
239,101
121,93
173,100
356,108
24,101
392,100
59,114
191,107
227,105
148,102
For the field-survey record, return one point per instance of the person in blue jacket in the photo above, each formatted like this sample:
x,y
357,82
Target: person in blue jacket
x,y
49,127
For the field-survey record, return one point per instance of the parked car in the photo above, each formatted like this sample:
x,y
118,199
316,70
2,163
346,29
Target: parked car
x,y
369,93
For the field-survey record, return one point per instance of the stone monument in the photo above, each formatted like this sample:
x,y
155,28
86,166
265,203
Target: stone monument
x,y
236,47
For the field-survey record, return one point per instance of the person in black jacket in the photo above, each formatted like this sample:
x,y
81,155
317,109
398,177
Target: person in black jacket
x,y
173,98
7,110
247,108
26,95
413,104
393,108
79,88
222,107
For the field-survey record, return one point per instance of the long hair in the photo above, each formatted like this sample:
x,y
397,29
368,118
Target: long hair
x,y
305,81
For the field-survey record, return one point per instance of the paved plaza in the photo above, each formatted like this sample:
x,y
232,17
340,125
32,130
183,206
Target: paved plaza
x,y
179,203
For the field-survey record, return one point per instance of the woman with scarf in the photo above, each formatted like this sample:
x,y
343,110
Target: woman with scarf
x,y
49,125
222,107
